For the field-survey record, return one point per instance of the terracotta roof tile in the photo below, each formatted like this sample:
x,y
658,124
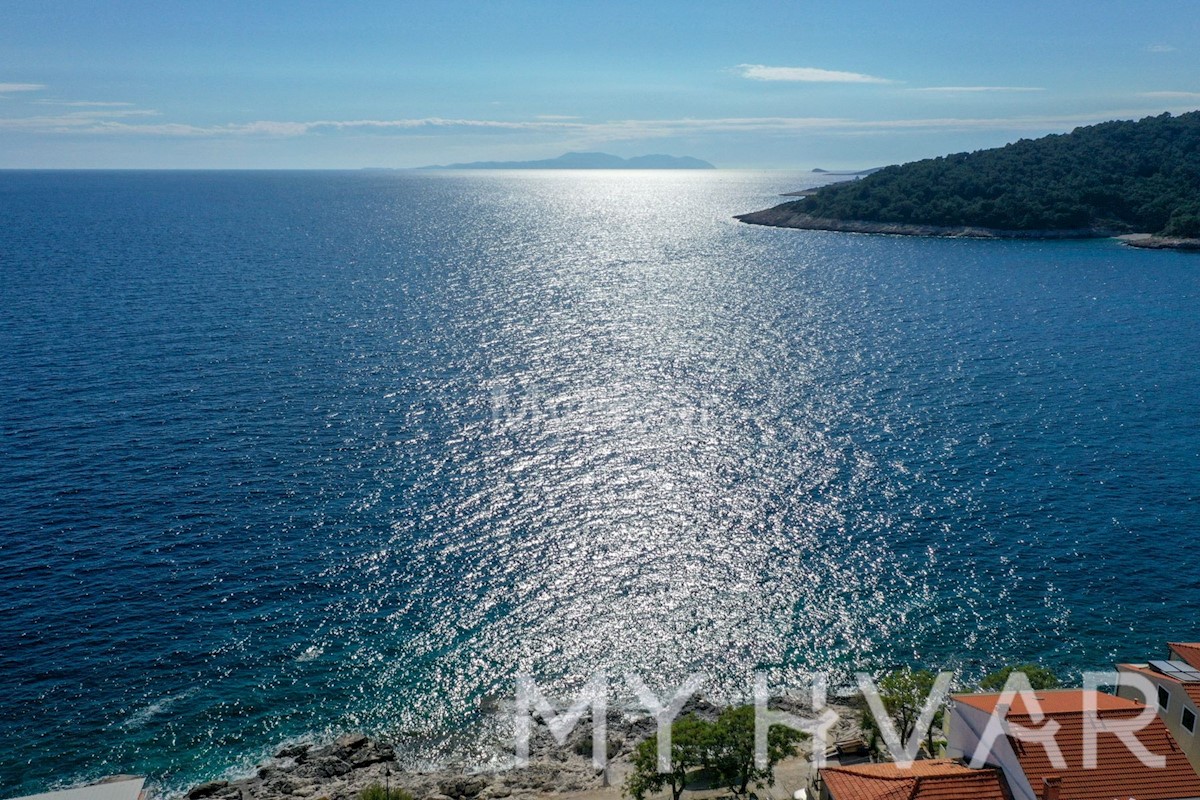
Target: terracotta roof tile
x,y
1188,651
938,779
1056,701
985,785
1119,772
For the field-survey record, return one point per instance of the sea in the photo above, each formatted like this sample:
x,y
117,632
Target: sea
x,y
288,454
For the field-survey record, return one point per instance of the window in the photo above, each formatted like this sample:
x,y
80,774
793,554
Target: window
x,y
1164,699
1189,720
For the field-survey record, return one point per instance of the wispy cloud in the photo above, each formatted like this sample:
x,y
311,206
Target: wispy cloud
x,y
129,122
439,122
1173,95
1160,48
20,87
82,103
955,89
90,121
556,117
761,72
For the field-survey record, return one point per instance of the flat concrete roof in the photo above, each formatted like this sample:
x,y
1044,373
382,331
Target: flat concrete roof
x,y
125,788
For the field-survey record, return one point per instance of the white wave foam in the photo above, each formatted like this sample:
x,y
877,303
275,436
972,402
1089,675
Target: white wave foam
x,y
142,716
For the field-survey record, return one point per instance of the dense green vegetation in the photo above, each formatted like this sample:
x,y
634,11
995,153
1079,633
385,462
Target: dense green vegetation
x,y
1123,176
724,749
904,692
1038,676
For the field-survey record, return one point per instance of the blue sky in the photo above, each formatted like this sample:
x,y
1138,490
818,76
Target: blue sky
x,y
127,83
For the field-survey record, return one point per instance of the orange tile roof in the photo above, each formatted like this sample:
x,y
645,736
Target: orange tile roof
x,y
1119,772
1055,701
938,779
1188,651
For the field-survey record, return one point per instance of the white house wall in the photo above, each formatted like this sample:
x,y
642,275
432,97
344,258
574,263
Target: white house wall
x,y
967,725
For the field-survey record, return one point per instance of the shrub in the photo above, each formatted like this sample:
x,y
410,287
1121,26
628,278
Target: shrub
x,y
376,791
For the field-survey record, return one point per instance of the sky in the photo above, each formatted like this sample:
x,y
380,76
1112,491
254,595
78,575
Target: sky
x,y
789,85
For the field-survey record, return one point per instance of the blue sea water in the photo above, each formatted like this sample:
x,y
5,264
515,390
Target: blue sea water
x,y
286,454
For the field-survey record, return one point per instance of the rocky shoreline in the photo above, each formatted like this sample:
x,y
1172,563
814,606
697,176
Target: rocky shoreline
x,y
345,767
1151,242
785,216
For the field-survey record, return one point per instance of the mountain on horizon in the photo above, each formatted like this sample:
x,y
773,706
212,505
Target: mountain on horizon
x,y
588,161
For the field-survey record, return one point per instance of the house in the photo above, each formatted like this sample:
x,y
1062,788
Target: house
x,y
1177,684
1072,722
939,779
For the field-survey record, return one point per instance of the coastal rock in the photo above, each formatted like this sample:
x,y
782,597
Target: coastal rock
x,y
325,767
788,216
1161,242
280,784
207,789
371,753
463,787
350,742
296,752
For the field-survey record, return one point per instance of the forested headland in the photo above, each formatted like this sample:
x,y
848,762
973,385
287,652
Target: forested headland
x,y
1111,178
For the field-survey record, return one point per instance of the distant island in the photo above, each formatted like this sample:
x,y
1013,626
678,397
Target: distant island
x,y
588,161
1120,177
870,171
